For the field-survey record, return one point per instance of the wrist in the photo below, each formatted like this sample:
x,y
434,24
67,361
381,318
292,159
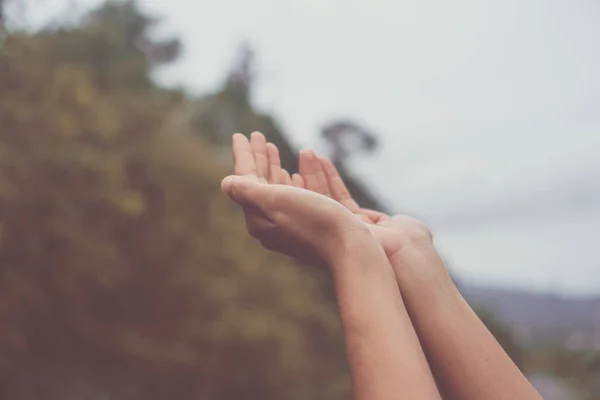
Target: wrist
x,y
418,267
361,262
352,242
412,252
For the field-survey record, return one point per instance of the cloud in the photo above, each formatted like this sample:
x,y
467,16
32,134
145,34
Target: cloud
x,y
489,112
522,201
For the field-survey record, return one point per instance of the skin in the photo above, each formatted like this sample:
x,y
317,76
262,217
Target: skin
x,y
468,363
384,353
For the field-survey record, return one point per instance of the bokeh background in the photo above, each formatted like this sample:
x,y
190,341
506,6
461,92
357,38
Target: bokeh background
x,y
126,274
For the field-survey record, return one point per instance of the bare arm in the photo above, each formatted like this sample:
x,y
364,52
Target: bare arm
x,y
467,361
385,356
466,358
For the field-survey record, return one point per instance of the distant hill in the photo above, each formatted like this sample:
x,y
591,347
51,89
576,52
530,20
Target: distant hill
x,y
539,319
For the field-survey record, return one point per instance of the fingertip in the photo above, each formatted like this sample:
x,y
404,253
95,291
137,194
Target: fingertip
x,y
256,135
237,137
228,183
272,150
302,161
327,165
237,187
318,162
306,161
298,181
324,159
286,177
304,153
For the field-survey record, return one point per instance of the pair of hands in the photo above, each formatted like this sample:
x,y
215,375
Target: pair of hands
x,y
310,215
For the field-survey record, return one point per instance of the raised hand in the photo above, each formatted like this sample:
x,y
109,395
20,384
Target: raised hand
x,y
429,298
311,216
279,212
393,233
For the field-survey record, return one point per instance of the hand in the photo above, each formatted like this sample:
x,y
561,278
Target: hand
x,y
283,217
393,233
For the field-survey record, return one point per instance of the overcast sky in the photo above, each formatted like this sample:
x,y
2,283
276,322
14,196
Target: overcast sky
x,y
489,113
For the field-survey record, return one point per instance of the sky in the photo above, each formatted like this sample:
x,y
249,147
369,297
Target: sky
x,y
488,114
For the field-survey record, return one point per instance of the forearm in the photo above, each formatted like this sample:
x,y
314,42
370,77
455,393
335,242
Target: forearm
x,y
467,360
385,356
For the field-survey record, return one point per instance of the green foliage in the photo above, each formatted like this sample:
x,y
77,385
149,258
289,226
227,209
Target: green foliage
x,y
579,369
228,110
115,43
125,273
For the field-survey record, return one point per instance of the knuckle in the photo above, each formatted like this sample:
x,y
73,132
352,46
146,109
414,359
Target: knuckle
x,y
421,231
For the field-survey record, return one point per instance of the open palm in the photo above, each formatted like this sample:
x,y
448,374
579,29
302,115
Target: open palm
x,y
282,214
394,233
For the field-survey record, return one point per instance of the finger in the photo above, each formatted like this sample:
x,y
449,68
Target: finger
x,y
322,180
275,174
336,184
248,192
310,170
286,179
259,149
298,181
243,159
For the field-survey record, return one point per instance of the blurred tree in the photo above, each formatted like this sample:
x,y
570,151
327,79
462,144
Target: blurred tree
x,y
346,138
230,110
3,28
10,17
131,30
2,16
241,77
217,116
115,42
124,272
579,368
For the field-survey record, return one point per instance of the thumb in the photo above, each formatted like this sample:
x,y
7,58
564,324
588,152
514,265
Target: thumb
x,y
242,190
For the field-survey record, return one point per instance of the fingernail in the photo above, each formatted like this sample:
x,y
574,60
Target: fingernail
x,y
227,183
